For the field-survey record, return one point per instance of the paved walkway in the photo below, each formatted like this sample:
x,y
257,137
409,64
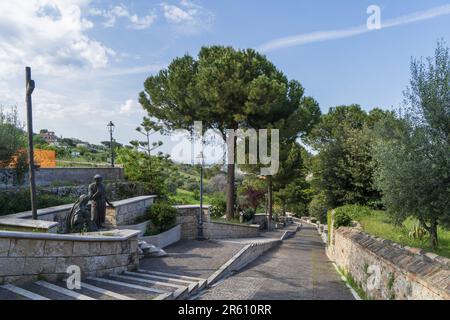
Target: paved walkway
x,y
296,270
193,258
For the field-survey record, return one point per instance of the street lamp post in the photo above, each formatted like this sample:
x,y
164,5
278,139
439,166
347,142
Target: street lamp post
x,y
111,127
201,159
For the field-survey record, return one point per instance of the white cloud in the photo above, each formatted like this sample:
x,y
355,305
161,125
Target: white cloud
x,y
121,11
301,39
188,17
49,35
128,107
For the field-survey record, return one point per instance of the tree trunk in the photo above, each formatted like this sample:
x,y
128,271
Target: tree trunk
x,y
269,201
434,234
230,192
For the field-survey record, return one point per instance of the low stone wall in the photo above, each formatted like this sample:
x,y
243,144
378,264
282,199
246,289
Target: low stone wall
x,y
127,211
188,219
164,239
49,176
223,230
124,211
385,270
246,255
56,213
28,256
261,220
28,225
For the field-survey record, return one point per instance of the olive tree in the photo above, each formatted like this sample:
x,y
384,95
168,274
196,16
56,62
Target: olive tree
x,y
413,152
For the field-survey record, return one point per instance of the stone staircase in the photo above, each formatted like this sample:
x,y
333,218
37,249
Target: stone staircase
x,y
129,285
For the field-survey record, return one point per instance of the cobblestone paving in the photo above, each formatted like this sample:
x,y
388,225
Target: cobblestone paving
x,y
296,270
193,258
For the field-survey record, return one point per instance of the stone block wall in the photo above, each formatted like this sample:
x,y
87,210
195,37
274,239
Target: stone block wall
x,y
125,212
385,270
188,219
61,176
221,230
28,257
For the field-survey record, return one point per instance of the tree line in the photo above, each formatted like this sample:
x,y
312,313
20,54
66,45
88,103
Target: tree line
x,y
399,161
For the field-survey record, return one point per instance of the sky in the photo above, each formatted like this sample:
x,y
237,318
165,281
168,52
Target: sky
x,y
89,58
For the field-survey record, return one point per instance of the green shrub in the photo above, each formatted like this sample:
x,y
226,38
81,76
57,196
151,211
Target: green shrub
x,y
196,193
318,207
355,211
218,207
162,215
341,219
19,200
248,214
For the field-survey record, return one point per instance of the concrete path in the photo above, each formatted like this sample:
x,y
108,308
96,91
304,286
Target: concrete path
x,y
296,270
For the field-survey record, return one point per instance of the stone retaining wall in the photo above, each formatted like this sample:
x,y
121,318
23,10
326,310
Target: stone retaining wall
x,y
30,256
222,230
385,270
49,176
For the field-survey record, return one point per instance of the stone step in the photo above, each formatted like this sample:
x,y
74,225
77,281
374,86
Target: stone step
x,y
139,278
46,292
195,284
18,293
64,291
132,290
171,275
105,292
165,278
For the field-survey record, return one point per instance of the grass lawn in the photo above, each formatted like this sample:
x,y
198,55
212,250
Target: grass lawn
x,y
187,197
378,223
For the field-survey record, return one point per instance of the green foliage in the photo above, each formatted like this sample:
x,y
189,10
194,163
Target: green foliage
x,y
19,201
137,169
12,136
344,169
413,152
318,207
354,284
341,219
417,232
380,223
218,207
248,214
227,89
162,215
355,211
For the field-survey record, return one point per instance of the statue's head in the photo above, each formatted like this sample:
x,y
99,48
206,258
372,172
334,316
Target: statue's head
x,y
98,178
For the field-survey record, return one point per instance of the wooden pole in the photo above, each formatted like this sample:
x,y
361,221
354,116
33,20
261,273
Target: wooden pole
x,y
29,84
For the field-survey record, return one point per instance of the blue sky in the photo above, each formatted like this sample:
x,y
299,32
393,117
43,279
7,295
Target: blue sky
x,y
90,58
